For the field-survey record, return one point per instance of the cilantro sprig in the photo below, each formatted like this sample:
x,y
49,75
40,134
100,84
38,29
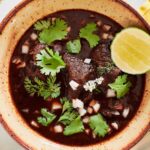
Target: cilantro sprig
x,y
68,113
121,85
47,117
87,33
51,31
70,118
50,62
74,46
98,125
47,89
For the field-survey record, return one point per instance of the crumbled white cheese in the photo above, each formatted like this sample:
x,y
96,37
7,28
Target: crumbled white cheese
x,y
87,60
91,84
77,103
99,80
34,36
74,85
82,111
110,93
25,49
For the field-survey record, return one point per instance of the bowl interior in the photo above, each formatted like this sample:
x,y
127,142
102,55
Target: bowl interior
x,y
15,25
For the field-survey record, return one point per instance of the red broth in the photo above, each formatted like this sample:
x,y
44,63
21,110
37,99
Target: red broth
x,y
29,106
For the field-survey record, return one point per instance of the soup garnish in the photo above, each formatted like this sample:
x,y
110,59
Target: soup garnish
x,y
65,84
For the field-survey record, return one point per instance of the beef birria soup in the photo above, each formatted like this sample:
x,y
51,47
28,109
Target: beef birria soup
x,y
65,84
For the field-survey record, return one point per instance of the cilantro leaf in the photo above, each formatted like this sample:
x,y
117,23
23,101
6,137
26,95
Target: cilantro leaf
x,y
41,25
68,113
74,46
46,118
121,85
98,125
44,89
87,33
50,62
30,87
67,105
51,31
76,126
68,117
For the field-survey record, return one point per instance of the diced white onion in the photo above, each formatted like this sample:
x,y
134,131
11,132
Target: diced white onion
x,y
110,93
99,23
87,131
94,135
25,110
16,61
74,85
115,125
125,112
21,65
90,110
105,36
86,119
92,103
96,107
77,103
36,112
68,29
56,106
58,129
25,49
82,111
106,27
53,19
116,113
33,36
110,37
35,124
87,60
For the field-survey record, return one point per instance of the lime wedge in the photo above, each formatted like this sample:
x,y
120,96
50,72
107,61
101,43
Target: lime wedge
x,y
130,51
145,10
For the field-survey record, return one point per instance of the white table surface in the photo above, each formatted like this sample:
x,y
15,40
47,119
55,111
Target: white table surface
x,y
6,142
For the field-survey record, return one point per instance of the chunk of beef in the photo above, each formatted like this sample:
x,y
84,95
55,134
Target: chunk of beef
x,y
101,56
79,72
36,49
111,76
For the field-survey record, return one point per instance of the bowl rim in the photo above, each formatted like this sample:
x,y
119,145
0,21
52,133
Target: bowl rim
x,y
4,22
